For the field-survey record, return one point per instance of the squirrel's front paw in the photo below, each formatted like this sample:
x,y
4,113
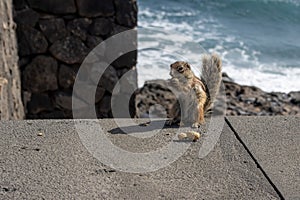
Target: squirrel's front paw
x,y
197,90
195,125
174,82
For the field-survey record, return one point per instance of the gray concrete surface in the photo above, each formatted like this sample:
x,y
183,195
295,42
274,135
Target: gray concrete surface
x,y
57,166
275,144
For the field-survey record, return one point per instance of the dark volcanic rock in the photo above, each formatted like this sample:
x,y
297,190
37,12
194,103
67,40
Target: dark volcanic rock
x,y
23,61
105,106
53,6
95,8
48,16
55,114
101,26
249,100
31,41
66,76
26,97
26,17
39,103
126,14
19,4
118,29
226,77
108,79
152,93
126,61
295,98
79,27
54,38
128,83
54,29
240,100
93,41
64,100
129,59
70,50
83,92
40,75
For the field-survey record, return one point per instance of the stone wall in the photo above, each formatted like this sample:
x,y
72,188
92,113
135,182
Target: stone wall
x,y
54,37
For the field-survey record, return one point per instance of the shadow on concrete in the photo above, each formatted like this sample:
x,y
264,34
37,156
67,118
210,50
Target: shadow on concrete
x,y
143,127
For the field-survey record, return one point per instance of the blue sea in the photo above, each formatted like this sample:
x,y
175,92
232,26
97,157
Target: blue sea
x,y
258,40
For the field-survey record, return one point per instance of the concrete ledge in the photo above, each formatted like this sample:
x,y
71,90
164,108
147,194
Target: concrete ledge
x,y
57,166
275,143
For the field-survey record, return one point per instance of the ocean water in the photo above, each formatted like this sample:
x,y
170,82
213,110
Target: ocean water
x,y
258,40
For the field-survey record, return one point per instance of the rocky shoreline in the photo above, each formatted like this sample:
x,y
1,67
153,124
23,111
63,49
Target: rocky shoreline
x,y
241,100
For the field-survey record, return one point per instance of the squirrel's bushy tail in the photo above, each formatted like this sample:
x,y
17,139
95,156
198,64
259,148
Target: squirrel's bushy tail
x,y
212,77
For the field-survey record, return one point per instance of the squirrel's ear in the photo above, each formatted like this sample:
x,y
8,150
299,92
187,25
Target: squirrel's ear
x,y
188,65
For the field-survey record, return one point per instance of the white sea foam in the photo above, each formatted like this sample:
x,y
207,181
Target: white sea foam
x,y
277,79
285,80
155,57
294,2
161,42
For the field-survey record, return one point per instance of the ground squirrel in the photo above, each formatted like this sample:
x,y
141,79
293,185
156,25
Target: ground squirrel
x,y
197,94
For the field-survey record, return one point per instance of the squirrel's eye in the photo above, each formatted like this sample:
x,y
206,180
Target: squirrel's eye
x,y
180,69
